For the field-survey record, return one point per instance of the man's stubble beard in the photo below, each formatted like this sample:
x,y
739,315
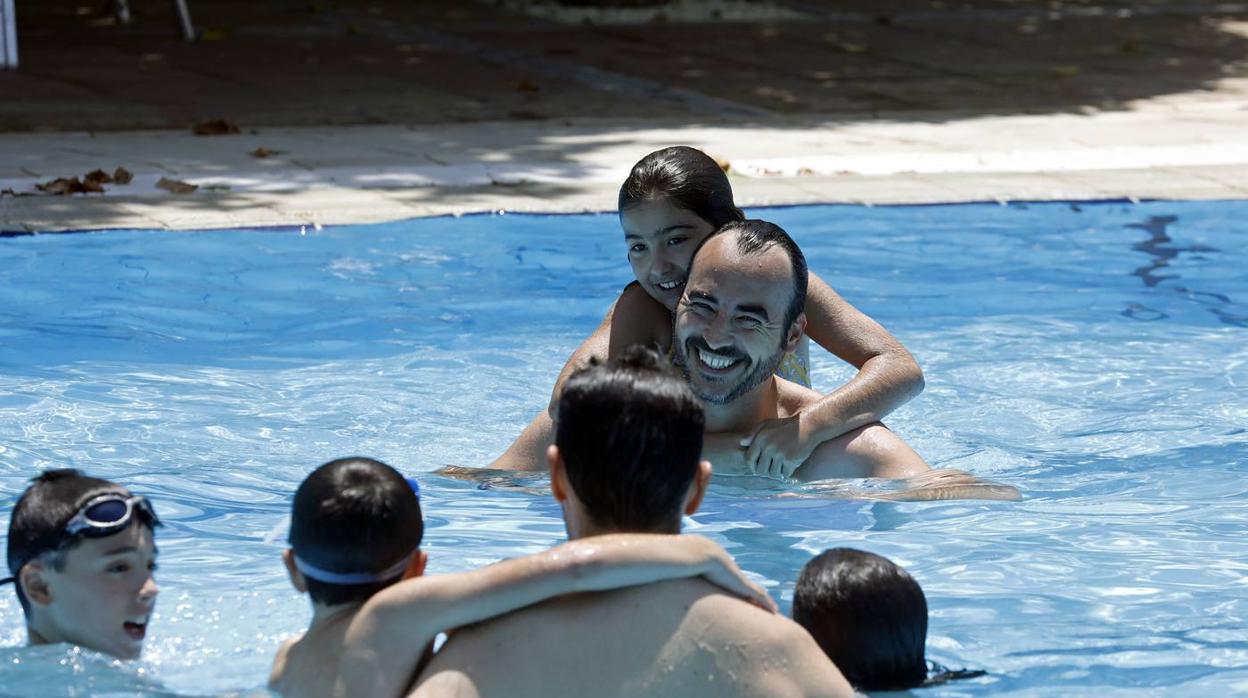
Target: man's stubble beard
x,y
752,380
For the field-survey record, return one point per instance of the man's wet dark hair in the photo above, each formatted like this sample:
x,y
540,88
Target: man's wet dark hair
x,y
754,237
868,615
354,515
37,527
688,178
630,433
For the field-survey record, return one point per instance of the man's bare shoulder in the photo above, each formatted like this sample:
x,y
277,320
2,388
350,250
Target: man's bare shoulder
x,y
724,646
778,655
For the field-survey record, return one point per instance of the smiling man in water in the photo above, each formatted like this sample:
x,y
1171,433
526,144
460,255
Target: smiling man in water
x,y
741,312
82,555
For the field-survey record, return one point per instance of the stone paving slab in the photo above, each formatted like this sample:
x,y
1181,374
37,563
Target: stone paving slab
x,y
392,109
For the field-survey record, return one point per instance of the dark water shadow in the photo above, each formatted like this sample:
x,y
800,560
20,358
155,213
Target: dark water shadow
x,y
1163,249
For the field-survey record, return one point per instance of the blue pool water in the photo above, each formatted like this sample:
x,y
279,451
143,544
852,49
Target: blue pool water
x,y
1093,355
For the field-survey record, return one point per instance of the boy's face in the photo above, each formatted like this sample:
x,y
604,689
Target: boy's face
x,y
103,597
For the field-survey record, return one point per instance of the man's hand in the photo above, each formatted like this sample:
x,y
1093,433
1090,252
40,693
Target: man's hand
x,y
778,446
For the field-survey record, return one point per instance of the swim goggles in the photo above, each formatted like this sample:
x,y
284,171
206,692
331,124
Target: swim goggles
x,y
109,513
320,574
103,515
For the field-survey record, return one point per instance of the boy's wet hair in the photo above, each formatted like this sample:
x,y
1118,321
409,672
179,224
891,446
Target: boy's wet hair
x,y
688,178
354,515
630,433
755,237
868,615
37,528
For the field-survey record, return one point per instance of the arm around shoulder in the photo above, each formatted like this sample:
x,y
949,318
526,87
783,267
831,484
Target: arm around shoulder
x,y
888,374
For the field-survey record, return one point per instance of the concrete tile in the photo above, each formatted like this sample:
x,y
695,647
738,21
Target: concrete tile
x,y
57,213
1013,186
1157,183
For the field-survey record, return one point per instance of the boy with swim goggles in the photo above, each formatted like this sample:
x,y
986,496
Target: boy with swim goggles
x,y
82,555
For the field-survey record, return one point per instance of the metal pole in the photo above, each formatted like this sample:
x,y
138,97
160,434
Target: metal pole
x,y
184,19
8,35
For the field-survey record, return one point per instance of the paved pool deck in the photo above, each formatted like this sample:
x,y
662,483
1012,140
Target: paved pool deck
x,y
1134,100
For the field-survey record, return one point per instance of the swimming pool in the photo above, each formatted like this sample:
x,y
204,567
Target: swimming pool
x,y
1095,355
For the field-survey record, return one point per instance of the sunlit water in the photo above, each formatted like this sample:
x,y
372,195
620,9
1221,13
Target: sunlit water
x,y
1095,356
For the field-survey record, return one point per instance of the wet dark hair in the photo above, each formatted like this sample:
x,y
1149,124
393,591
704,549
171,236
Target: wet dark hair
x,y
630,433
687,177
754,237
37,527
354,515
868,615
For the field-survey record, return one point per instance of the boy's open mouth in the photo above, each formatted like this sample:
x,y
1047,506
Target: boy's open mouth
x,y
136,631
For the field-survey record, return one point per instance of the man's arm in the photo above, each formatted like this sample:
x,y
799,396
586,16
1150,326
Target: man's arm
x,y
948,483
386,637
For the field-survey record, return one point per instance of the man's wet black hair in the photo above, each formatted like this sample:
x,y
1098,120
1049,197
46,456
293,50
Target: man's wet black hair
x,y
630,433
688,178
868,615
37,527
354,515
754,237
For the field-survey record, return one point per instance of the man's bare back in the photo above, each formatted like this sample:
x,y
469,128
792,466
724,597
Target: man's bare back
x,y
679,638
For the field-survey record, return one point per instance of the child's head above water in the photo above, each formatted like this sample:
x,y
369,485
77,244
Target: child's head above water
x,y
82,555
868,615
688,178
355,529
672,200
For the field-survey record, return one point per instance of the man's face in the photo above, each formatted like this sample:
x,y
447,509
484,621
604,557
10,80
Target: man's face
x,y
730,334
103,597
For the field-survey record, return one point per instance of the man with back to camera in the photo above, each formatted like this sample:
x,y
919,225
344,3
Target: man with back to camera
x,y
626,458
82,554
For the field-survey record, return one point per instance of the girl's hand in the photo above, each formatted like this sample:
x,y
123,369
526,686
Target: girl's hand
x,y
778,446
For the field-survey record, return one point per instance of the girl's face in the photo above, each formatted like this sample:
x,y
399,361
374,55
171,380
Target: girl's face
x,y
661,238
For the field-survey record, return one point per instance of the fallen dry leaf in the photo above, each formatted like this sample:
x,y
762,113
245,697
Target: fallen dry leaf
x,y
176,186
64,186
528,87
215,127
263,152
122,176
97,177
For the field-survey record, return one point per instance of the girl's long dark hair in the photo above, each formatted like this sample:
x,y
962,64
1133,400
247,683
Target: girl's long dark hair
x,y
687,177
